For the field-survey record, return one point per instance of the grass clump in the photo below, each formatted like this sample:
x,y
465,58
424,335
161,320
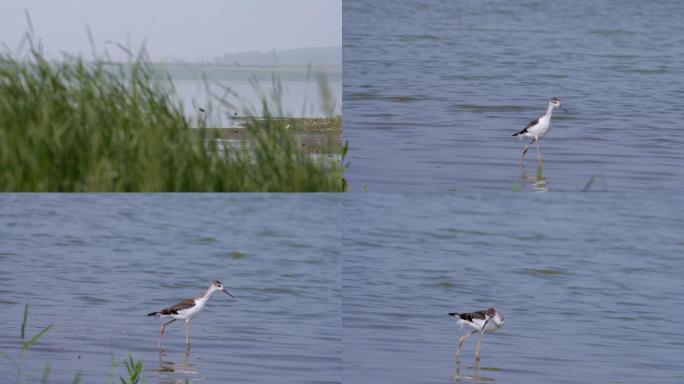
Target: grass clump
x,y
72,125
133,368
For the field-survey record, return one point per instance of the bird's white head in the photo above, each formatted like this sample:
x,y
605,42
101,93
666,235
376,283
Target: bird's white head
x,y
555,102
498,318
217,286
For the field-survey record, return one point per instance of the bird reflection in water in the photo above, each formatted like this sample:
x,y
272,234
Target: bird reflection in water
x,y
474,376
170,371
536,182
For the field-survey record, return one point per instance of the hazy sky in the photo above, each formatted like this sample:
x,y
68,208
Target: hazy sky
x,y
176,28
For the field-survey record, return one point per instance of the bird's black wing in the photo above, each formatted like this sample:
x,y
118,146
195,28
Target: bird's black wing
x,y
173,310
473,315
469,316
524,130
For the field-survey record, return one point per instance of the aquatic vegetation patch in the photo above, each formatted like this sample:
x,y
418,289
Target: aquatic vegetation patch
x,y
72,125
543,272
133,368
237,255
403,99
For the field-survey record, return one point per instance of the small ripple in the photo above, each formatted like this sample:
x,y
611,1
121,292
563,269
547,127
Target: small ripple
x,y
204,240
419,37
648,71
493,108
611,32
543,272
268,233
237,255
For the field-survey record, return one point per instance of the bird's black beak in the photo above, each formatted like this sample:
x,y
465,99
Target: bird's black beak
x,y
564,110
228,293
484,325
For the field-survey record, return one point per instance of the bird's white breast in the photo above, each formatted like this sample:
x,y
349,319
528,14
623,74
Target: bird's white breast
x,y
479,323
541,128
192,311
491,326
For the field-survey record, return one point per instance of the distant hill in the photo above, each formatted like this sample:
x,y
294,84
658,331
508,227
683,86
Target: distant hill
x,y
298,56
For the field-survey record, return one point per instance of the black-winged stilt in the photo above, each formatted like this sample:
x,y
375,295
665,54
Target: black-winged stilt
x,y
485,321
186,310
537,128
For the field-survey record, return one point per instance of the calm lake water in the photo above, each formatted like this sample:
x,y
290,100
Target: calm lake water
x,y
591,287
300,97
95,265
433,91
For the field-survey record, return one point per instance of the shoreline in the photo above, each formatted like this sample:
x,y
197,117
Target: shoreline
x,y
313,134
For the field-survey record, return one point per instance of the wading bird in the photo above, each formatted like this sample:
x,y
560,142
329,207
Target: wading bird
x,y
186,310
537,128
485,321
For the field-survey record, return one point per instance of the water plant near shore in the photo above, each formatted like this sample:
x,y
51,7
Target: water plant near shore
x,y
96,126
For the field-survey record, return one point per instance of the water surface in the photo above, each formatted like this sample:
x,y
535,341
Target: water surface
x,y
591,287
433,91
95,265
300,94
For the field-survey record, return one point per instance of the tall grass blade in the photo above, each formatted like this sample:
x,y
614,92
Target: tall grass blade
x,y
46,372
134,369
78,126
77,377
26,344
23,322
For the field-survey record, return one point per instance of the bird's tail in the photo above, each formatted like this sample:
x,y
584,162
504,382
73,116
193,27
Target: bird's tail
x,y
457,315
153,314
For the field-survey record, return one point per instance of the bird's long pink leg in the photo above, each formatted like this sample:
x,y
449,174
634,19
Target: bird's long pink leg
x,y
524,152
187,334
461,340
161,333
541,162
477,348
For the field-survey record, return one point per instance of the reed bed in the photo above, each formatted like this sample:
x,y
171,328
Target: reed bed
x,y
72,125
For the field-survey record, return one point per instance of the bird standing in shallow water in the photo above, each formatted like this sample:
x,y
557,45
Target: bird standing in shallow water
x,y
537,128
186,310
485,321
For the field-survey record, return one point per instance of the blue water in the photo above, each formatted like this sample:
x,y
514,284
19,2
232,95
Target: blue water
x,y
243,89
93,266
591,287
433,91
353,288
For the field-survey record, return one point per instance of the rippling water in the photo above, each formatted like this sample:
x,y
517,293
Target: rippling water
x,y
300,97
352,288
591,287
95,265
433,91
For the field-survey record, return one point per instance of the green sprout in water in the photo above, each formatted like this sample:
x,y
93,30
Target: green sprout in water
x,y
25,342
588,184
133,368
539,172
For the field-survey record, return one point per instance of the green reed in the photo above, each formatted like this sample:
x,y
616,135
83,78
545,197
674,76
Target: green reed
x,y
133,368
72,125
